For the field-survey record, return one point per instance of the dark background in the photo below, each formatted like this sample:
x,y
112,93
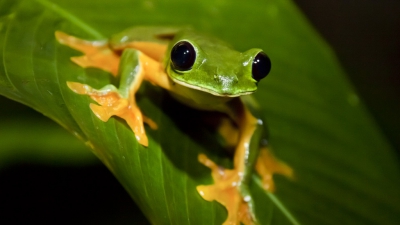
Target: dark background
x,y
365,34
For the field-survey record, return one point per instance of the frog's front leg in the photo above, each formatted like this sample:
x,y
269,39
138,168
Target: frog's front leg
x,y
120,102
98,54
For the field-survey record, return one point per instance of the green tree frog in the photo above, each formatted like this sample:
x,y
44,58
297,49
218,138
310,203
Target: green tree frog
x,y
201,72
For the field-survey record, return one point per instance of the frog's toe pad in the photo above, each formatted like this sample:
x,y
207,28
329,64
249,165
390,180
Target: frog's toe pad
x,y
100,112
150,122
79,88
206,192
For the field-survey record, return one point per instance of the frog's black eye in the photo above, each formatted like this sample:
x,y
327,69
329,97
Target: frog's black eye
x,y
183,56
261,66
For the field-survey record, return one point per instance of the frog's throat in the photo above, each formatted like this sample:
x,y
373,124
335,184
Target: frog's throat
x,y
209,90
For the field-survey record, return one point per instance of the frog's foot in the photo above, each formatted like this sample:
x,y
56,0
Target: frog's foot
x,y
98,54
226,191
112,103
267,165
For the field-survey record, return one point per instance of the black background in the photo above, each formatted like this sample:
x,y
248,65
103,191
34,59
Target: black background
x,y
365,34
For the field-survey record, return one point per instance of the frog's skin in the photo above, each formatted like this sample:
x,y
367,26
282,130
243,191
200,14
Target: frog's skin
x,y
220,79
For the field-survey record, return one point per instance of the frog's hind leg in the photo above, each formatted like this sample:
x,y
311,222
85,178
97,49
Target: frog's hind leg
x,y
267,165
230,186
120,102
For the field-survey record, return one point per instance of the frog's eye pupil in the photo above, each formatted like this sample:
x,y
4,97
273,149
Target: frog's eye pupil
x,y
183,56
261,66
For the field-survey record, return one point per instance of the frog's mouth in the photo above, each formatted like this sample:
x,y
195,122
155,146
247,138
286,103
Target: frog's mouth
x,y
210,91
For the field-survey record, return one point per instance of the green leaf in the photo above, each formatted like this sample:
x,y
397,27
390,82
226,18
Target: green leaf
x,y
346,172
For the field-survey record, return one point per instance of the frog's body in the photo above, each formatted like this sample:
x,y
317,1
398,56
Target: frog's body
x,y
199,71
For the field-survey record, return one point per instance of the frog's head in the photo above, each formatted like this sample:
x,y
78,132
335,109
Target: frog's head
x,y
210,65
